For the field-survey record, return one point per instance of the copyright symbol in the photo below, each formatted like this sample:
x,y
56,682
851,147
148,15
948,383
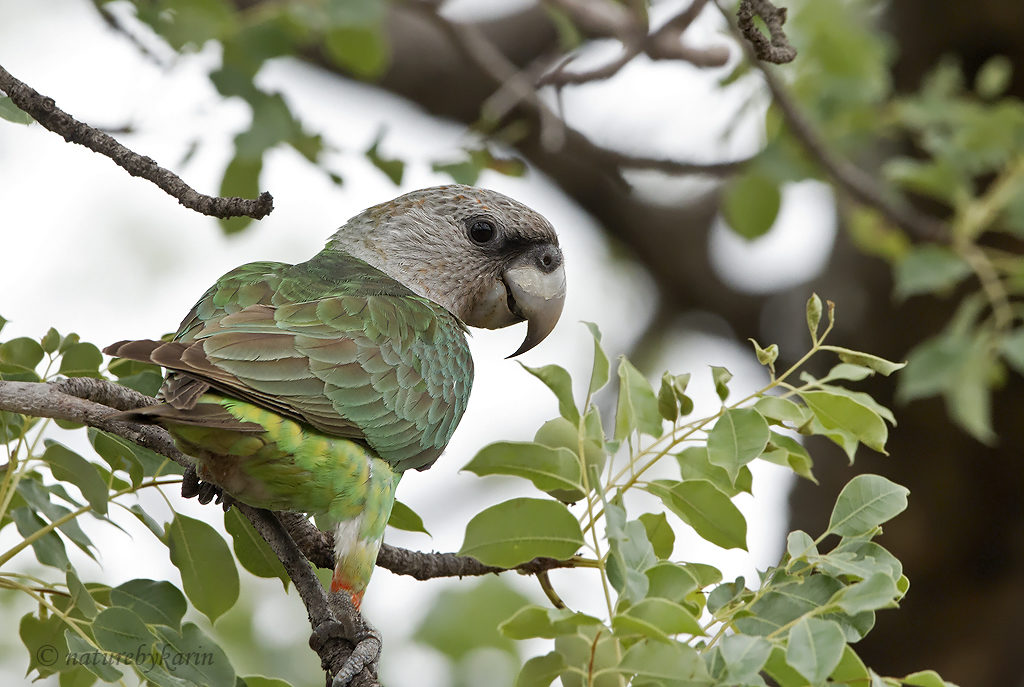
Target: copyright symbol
x,y
46,655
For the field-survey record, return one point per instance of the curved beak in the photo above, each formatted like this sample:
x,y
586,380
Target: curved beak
x,y
536,296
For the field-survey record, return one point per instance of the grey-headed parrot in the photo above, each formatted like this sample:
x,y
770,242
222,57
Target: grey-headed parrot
x,y
314,387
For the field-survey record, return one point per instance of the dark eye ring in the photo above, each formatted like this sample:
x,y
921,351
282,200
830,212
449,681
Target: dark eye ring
x,y
482,231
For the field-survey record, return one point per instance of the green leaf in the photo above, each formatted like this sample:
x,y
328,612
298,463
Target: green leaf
x,y
559,381
656,618
630,554
840,412
672,663
44,640
880,365
68,466
744,656
865,503
538,621
721,377
81,360
1012,350
50,341
925,678
84,654
787,600
669,581
595,648
548,468
540,671
725,593
994,77
242,178
462,172
813,315
766,356
118,453
861,559
560,433
668,406
637,406
393,168
252,550
599,372
789,452
871,594
520,530
261,681
18,359
488,603
851,670
659,533
929,268
13,113
739,436
706,509
815,647
155,602
800,545
49,548
781,672
208,572
80,596
194,657
119,631
751,203
405,518
694,463
362,50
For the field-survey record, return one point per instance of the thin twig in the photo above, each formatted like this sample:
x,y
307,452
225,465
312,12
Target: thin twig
x,y
45,111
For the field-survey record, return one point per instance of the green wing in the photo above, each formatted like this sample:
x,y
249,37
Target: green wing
x,y
332,342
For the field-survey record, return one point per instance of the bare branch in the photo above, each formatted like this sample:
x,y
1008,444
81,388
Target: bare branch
x,y
776,47
45,111
664,44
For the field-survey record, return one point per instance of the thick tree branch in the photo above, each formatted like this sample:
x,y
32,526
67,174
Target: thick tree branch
x,y
45,111
293,538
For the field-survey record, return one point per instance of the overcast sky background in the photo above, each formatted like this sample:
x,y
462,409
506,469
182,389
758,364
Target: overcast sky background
x,y
86,248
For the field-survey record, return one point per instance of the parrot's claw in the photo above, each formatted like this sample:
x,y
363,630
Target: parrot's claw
x,y
192,486
207,492
190,483
365,654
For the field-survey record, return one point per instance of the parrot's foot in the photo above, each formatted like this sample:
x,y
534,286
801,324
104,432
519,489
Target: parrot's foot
x,y
192,486
364,655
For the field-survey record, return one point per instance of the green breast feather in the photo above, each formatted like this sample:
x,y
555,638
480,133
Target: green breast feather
x,y
339,345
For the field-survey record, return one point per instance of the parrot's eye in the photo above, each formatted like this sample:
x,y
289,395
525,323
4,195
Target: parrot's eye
x,y
482,231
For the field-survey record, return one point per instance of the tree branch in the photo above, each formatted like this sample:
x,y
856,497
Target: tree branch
x,y
294,539
776,47
846,175
45,111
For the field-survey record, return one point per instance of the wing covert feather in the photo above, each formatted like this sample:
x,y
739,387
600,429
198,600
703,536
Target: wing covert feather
x,y
359,356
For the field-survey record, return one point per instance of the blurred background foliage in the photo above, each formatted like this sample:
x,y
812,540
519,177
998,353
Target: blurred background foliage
x,y
909,110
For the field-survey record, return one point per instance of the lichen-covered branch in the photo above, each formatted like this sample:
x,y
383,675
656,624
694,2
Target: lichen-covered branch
x,y
45,111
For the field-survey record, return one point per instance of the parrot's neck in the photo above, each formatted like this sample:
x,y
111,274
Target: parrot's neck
x,y
409,258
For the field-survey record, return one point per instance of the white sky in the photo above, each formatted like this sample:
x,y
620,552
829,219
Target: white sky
x,y
86,248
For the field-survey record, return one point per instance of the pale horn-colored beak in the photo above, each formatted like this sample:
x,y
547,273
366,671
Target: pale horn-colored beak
x,y
538,297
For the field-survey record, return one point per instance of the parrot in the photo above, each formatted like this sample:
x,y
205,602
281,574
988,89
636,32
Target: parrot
x,y
313,387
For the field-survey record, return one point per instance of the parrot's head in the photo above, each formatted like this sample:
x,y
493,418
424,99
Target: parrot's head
x,y
488,259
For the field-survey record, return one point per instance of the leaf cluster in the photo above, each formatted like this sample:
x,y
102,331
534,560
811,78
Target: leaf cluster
x,y
666,621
